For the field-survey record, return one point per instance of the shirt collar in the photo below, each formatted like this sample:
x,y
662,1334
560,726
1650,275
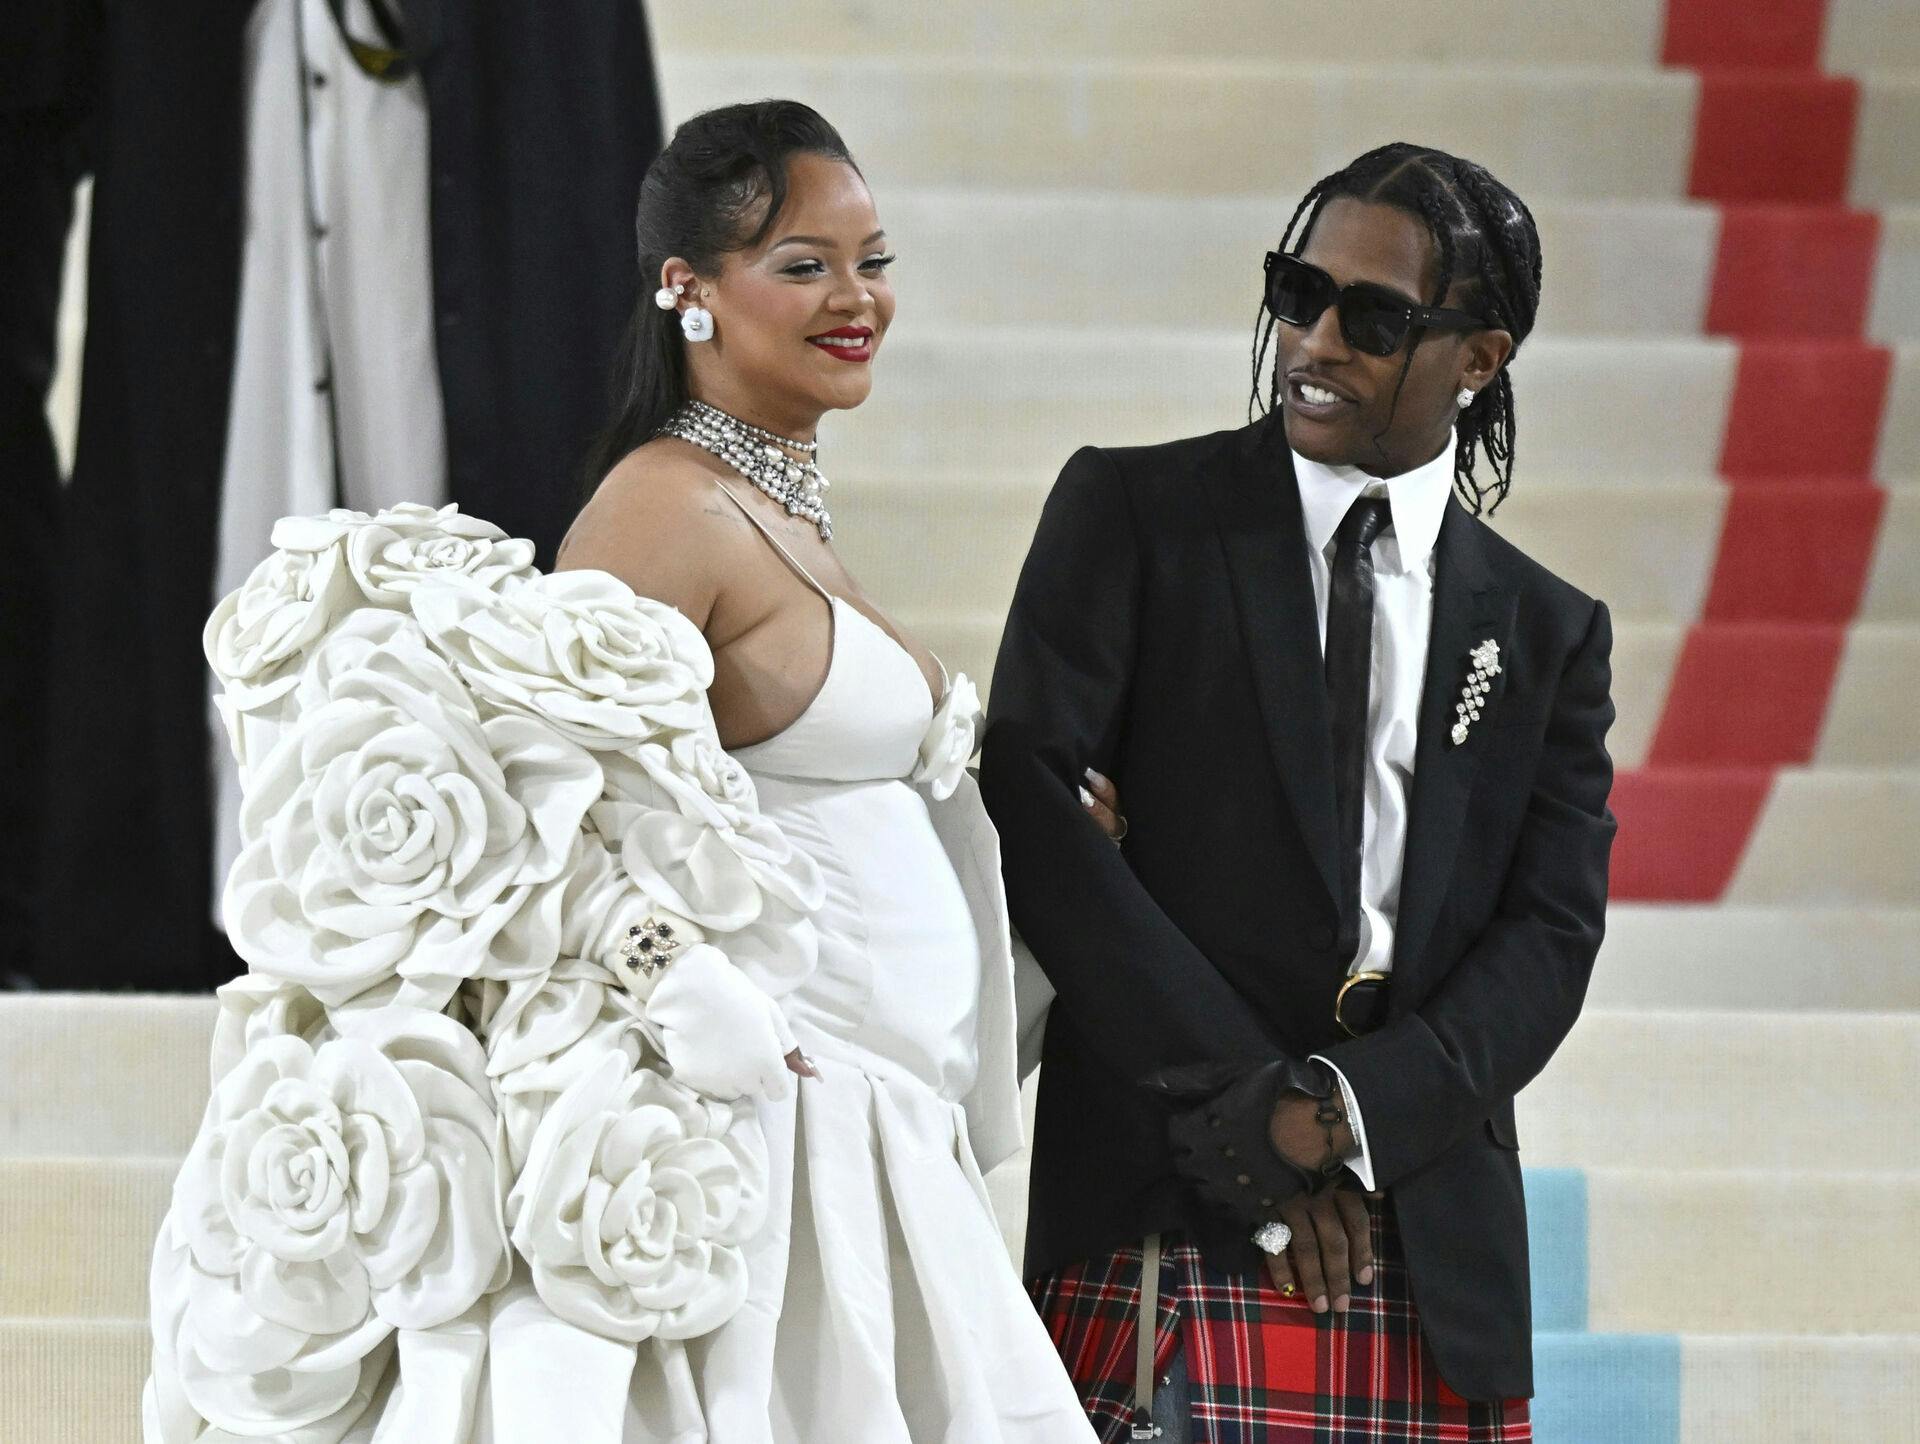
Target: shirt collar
x,y
1418,498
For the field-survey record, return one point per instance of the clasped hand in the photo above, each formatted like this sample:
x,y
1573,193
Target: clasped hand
x,y
1332,1246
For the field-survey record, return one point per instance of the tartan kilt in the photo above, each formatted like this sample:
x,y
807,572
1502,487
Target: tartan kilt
x,y
1263,1368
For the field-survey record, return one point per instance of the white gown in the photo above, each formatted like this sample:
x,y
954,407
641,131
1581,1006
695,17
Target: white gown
x,y
883,1306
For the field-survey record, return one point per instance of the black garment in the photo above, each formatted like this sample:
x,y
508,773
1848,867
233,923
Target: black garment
x,y
542,120
45,75
1164,632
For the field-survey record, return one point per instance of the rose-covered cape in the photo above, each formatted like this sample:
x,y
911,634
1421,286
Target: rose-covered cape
x,y
517,933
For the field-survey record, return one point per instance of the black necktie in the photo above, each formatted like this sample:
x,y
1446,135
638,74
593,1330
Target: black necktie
x,y
1349,674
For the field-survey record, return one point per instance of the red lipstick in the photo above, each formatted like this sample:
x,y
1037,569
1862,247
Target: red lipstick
x,y
855,343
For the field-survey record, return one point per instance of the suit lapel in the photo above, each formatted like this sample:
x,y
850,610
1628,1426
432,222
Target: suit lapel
x,y
1469,606
1257,504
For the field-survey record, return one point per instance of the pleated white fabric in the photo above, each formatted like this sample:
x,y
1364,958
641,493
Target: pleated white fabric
x,y
882,1307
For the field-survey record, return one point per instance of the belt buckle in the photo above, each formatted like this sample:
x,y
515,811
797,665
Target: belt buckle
x,y
1340,998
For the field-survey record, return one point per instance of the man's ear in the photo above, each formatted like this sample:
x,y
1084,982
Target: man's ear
x,y
1486,353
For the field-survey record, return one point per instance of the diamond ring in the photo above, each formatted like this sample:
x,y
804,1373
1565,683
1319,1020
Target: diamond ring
x,y
1272,1238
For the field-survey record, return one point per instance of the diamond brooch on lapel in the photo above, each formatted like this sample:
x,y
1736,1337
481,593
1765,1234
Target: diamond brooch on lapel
x,y
1484,665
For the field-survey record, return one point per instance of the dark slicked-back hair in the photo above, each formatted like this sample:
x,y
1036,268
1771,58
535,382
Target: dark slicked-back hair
x,y
1485,241
718,187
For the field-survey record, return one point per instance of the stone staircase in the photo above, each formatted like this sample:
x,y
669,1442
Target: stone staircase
x,y
1720,435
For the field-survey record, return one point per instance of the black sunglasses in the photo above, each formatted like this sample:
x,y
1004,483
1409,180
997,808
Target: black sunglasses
x,y
1372,318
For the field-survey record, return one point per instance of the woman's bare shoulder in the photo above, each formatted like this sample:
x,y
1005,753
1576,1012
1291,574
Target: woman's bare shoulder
x,y
659,524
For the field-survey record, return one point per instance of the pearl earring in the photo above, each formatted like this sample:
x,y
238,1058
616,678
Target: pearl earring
x,y
667,297
1465,398
696,323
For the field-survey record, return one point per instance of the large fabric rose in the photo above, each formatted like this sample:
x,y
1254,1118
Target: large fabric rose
x,y
390,553
635,1202
577,651
335,1193
392,829
950,739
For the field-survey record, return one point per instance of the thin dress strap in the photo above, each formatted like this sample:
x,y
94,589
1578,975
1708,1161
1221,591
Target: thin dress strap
x,y
761,527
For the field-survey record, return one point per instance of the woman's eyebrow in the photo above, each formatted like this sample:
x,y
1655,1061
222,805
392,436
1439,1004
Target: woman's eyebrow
x,y
821,241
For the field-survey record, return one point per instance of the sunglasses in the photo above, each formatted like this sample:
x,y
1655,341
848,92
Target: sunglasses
x,y
1372,318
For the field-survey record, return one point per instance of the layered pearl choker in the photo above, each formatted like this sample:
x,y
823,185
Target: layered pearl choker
x,y
761,457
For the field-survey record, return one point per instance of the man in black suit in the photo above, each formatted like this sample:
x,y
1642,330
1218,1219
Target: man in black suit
x,y
1359,743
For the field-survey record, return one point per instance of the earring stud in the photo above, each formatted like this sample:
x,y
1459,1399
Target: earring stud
x,y
667,297
1465,398
696,323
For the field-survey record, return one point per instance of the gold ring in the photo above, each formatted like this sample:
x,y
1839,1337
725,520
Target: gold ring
x,y
1289,1289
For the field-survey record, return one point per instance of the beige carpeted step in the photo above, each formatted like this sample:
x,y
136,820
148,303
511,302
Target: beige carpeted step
x,y
102,1073
1758,958
1204,128
1831,838
1729,1090
1624,33
79,1235
1799,1390
71,1381
1752,1252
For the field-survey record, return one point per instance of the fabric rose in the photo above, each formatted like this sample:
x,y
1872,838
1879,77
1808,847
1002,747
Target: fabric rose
x,y
635,1202
717,807
577,651
684,820
254,1008
950,739
258,717
335,1193
390,553
544,1033
689,772
393,830
285,605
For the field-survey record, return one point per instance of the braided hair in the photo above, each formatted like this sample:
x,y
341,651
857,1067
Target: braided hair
x,y
1486,242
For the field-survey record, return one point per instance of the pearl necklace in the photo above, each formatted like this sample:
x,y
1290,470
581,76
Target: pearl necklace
x,y
761,457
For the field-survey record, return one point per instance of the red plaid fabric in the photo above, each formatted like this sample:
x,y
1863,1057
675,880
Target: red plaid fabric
x,y
1263,1368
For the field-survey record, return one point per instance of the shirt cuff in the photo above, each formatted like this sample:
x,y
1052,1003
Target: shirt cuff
x,y
1360,1161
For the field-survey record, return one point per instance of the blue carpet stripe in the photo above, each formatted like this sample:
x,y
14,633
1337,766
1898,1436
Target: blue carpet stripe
x,y
1589,1388
1557,1246
1606,1388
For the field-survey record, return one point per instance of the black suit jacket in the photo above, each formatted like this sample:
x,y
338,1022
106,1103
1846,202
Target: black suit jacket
x,y
1164,632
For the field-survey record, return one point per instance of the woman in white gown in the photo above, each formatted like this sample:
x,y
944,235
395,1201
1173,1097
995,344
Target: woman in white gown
x,y
883,1306
631,1011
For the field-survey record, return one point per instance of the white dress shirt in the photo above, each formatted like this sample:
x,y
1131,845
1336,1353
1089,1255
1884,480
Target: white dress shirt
x,y
1402,624
336,386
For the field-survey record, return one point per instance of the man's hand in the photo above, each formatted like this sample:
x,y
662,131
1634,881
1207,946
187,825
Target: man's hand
x,y
1332,1249
1299,1136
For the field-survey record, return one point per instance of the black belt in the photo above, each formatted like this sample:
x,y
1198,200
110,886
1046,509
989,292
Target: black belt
x,y
1361,1004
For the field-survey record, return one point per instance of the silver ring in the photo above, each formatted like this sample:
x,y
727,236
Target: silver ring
x,y
1121,835
1272,1238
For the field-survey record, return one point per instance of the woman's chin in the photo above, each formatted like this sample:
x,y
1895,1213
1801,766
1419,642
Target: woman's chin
x,y
846,393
